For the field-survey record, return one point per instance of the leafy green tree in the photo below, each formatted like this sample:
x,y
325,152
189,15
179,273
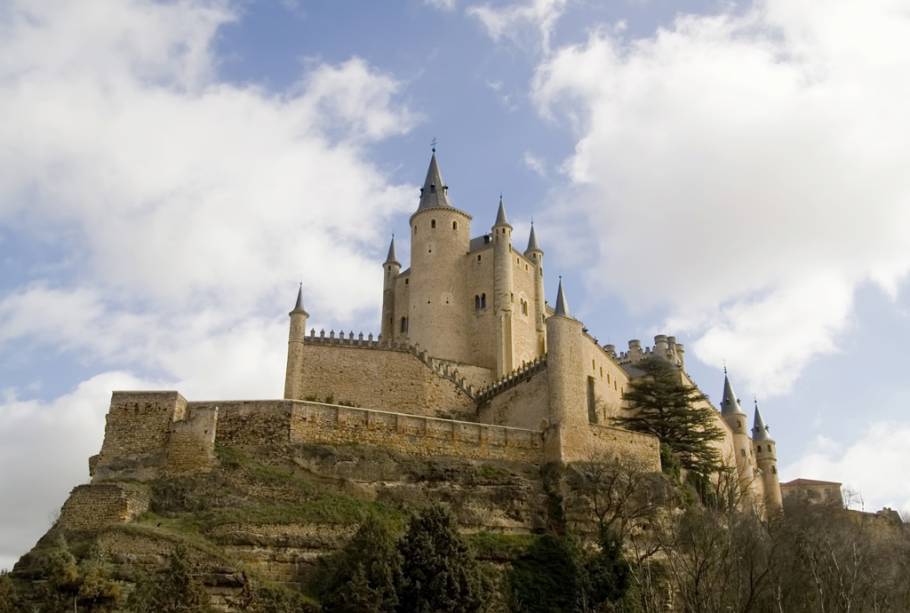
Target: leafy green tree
x,y
9,597
439,571
176,589
548,577
363,577
660,403
608,572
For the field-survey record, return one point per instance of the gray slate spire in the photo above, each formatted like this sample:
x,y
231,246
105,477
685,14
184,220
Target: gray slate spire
x,y
501,215
562,308
759,429
391,258
298,308
532,241
434,192
730,404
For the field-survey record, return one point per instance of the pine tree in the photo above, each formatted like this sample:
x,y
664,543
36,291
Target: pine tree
x,y
548,577
662,405
363,577
439,571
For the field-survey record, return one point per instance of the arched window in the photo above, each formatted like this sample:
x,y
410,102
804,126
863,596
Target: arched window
x,y
759,449
404,324
476,302
454,225
432,223
483,301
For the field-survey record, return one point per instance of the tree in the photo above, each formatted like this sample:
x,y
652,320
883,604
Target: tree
x,y
439,572
608,573
548,577
660,403
9,598
175,589
363,577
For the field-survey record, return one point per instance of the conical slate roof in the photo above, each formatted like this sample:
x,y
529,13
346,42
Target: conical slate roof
x,y
391,258
759,429
501,215
434,192
298,307
730,404
532,241
562,307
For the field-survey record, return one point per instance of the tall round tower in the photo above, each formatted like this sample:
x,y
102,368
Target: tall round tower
x,y
294,372
565,382
439,304
733,415
766,457
390,269
502,290
535,254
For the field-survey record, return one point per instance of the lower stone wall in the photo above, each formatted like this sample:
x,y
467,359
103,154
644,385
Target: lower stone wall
x,y
379,379
191,442
605,442
250,422
413,434
90,507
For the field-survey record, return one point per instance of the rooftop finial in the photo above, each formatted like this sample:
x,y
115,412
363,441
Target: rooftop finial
x,y
433,144
562,307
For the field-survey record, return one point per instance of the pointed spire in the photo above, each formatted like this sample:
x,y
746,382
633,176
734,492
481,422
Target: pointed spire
x,y
391,258
759,429
434,192
532,241
501,215
730,404
298,307
562,307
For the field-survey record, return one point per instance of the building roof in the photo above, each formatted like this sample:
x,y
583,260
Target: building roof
x,y
434,193
798,482
501,215
759,429
562,307
298,307
391,257
729,405
532,241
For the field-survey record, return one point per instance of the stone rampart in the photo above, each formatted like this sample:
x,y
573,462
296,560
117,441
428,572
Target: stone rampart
x,y
379,377
606,442
523,402
191,441
413,434
93,506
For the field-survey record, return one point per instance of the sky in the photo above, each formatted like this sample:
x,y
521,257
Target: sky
x,y
733,173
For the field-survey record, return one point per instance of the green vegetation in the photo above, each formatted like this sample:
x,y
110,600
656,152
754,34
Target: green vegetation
x,y
176,589
662,405
499,546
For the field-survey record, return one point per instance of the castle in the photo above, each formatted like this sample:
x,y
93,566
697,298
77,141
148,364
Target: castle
x,y
471,362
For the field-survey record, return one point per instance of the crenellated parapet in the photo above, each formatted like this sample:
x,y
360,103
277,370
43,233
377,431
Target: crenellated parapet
x,y
665,347
510,380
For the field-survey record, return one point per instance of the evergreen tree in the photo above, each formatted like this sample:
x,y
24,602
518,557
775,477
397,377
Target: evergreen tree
x,y
662,405
608,572
9,598
175,589
548,577
363,577
439,571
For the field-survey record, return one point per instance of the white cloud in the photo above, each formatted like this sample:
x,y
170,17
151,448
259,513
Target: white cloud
x,y
511,20
871,466
762,153
181,210
535,163
445,5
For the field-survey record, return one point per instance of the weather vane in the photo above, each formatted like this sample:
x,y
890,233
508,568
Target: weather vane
x,y
433,144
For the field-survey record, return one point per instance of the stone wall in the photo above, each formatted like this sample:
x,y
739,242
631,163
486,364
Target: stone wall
x,y
379,379
601,442
93,506
191,441
412,434
524,405
250,422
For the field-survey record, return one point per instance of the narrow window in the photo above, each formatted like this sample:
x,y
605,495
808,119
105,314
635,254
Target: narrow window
x,y
476,302
404,324
592,403
774,470
759,449
483,301
478,258
406,281
743,452
415,229
454,225
432,223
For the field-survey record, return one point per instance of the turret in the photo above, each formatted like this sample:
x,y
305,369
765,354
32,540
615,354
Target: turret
x,y
438,306
535,254
502,290
733,415
766,458
294,372
565,381
391,267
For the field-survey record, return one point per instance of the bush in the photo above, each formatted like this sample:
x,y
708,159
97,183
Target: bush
x,y
176,588
548,577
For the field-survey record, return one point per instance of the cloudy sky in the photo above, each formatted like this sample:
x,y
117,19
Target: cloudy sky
x,y
732,173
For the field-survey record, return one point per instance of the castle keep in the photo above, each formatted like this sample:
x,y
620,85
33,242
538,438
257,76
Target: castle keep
x,y
470,362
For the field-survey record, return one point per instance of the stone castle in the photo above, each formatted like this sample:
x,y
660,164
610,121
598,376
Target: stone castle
x,y
471,362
